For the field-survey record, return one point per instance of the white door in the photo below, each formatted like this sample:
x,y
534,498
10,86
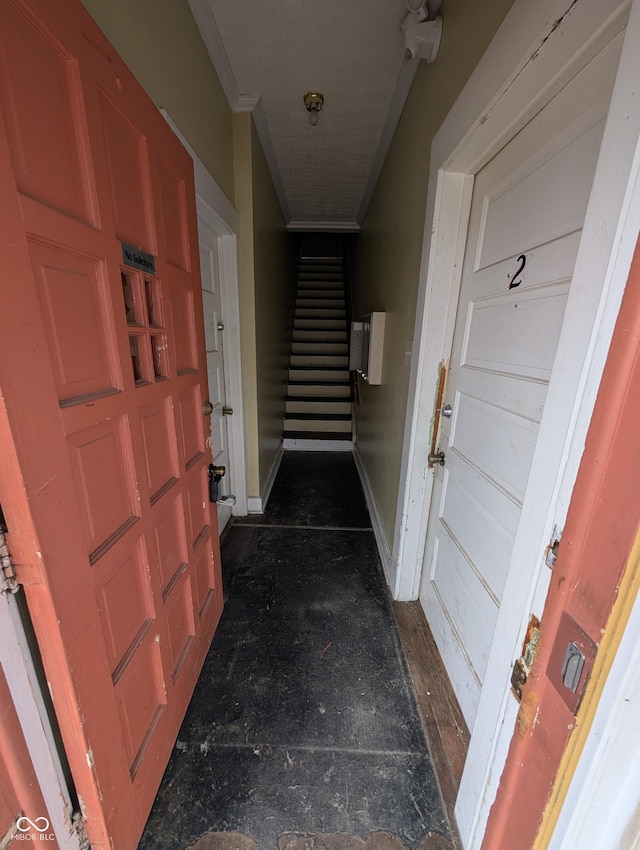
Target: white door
x,y
214,338
526,217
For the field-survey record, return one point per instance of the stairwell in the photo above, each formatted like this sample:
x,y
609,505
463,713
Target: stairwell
x,y
318,410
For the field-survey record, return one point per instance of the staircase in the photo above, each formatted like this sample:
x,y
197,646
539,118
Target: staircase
x,y
318,411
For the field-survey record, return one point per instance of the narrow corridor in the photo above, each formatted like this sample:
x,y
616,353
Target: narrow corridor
x,y
304,721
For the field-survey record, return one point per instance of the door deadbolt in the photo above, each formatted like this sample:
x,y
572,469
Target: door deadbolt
x,y
216,473
207,408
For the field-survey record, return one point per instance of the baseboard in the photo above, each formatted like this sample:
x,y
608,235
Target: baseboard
x,y
384,550
302,445
271,477
257,504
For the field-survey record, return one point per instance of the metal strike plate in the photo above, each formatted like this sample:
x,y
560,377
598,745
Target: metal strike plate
x,y
571,661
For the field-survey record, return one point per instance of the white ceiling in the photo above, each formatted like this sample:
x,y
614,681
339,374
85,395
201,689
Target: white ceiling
x,y
268,54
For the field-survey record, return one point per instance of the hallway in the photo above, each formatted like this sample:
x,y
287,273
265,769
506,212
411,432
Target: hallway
x,y
304,720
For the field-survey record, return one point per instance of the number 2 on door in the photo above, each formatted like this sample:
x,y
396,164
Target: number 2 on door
x,y
522,260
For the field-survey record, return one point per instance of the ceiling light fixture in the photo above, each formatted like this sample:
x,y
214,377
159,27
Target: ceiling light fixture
x,y
314,102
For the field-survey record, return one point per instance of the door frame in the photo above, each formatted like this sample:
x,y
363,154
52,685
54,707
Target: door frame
x,y
214,206
536,50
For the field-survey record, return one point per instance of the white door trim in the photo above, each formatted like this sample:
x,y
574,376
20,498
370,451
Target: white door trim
x,y
216,209
538,48
19,671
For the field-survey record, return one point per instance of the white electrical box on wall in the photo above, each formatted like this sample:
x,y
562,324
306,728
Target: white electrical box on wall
x,y
366,346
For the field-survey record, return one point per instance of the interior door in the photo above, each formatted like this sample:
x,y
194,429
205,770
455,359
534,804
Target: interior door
x,y
527,211
214,340
103,474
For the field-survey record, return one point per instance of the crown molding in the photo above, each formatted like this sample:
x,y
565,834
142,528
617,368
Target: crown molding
x,y
201,11
262,129
325,226
246,102
398,100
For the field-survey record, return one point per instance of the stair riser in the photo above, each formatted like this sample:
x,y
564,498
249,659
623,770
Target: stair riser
x,y
319,313
317,347
319,336
310,282
321,443
325,407
324,303
318,390
321,375
337,426
320,293
319,324
317,361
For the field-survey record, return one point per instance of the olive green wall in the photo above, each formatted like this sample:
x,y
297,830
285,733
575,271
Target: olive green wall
x,y
267,297
275,287
243,170
161,44
386,263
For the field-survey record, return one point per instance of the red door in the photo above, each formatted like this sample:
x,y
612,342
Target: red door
x,y
103,469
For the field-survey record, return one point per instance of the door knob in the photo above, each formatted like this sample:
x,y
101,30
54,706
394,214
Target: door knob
x,y
436,457
207,408
220,326
446,410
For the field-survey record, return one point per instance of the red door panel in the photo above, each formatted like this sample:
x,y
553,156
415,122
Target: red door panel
x,y
104,378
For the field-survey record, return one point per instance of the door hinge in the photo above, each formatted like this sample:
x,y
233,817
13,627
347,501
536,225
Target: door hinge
x,y
8,580
551,552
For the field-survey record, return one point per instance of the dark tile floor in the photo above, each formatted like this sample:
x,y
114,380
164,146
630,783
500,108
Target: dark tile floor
x,y
304,719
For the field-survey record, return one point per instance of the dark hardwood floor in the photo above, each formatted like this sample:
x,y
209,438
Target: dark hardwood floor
x,y
445,729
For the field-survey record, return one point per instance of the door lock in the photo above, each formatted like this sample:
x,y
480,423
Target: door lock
x,y
216,473
220,326
436,458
